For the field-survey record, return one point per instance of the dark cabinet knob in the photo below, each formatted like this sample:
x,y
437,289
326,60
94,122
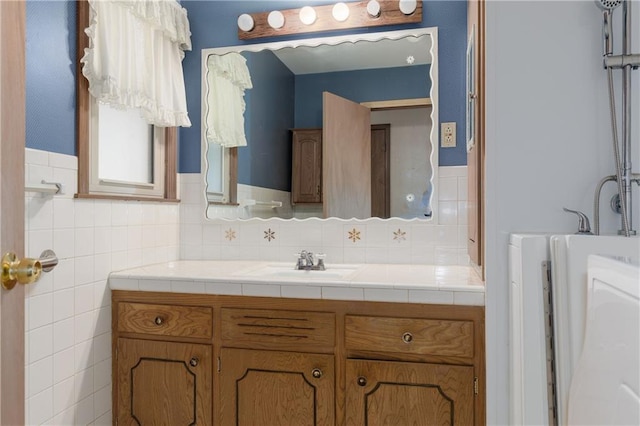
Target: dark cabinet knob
x,y
362,381
193,362
159,320
407,337
317,373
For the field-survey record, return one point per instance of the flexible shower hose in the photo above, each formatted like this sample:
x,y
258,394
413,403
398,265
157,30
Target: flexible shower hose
x,y
616,153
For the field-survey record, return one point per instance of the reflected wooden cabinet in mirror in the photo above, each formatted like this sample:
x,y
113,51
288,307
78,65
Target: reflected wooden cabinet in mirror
x,y
306,167
239,360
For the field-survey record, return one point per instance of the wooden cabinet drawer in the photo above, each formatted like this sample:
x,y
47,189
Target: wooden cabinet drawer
x,y
409,335
279,329
165,320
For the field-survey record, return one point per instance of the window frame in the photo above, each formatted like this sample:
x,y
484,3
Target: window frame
x,y
84,101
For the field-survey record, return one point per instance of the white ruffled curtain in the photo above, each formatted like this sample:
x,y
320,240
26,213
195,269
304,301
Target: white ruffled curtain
x,y
134,59
227,78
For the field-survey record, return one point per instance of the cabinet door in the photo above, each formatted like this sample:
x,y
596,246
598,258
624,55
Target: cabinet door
x,y
405,393
163,383
306,182
276,388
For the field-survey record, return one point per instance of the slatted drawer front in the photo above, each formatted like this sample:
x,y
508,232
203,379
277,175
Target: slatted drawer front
x,y
277,327
409,335
165,320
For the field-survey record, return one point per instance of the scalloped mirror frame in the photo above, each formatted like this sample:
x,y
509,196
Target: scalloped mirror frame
x,y
317,41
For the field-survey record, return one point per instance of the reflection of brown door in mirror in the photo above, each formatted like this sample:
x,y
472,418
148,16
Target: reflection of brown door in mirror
x,y
380,170
346,153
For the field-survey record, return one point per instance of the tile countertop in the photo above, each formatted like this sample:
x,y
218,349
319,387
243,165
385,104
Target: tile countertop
x,y
443,284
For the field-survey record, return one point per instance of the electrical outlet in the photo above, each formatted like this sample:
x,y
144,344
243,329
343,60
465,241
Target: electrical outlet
x,y
448,134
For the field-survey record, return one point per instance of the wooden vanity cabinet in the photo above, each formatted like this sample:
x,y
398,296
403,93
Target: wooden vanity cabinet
x,y
277,367
408,393
159,377
276,388
425,388
306,167
235,360
163,383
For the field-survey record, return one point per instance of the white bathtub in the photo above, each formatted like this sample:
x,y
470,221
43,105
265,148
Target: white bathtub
x,y
605,388
569,254
530,375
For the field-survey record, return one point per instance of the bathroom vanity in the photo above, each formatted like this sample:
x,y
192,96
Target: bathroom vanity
x,y
184,355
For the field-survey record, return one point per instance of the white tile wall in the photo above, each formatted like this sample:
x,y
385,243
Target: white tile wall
x,y
68,313
442,241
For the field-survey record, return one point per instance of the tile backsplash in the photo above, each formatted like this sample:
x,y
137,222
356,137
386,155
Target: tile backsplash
x,y
68,312
442,241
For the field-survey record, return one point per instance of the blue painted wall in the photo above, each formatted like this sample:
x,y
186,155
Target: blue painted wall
x,y
358,86
51,76
266,160
51,61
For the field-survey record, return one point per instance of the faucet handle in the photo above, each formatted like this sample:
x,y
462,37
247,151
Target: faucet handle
x,y
583,222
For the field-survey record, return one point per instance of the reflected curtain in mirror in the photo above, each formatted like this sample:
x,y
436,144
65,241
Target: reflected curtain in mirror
x,y
228,77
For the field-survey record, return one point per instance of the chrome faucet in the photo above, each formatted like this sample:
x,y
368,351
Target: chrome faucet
x,y
306,261
584,227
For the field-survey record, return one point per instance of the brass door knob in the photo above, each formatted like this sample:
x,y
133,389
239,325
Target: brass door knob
x,y
27,270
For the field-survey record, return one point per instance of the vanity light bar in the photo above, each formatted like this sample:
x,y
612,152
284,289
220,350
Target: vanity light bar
x,y
390,12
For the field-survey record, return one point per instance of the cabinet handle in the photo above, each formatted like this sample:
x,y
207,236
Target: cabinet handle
x,y
407,337
193,362
317,373
362,381
159,320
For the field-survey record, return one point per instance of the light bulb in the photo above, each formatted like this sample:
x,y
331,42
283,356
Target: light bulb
x,y
307,15
275,19
245,22
373,8
340,12
407,6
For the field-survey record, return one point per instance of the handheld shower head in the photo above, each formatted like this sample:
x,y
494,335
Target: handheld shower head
x,y
607,7
608,4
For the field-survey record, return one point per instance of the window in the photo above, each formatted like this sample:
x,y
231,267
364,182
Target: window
x,y
126,153
149,174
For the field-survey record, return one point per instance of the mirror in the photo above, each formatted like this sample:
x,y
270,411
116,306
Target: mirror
x,y
393,74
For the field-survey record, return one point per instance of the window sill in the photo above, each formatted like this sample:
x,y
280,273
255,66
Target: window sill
x,y
126,198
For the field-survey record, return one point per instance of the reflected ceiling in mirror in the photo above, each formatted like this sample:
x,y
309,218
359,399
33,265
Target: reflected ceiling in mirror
x,y
394,73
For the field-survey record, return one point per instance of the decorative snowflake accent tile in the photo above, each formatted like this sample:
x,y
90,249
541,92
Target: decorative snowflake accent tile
x,y
354,235
399,235
230,234
269,235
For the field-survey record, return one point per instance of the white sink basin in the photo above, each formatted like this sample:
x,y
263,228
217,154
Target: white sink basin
x,y
339,272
